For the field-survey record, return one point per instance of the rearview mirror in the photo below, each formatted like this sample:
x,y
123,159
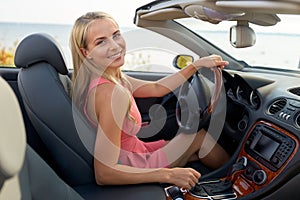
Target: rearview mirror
x,y
242,35
181,61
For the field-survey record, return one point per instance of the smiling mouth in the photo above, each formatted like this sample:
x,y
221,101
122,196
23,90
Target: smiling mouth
x,y
117,55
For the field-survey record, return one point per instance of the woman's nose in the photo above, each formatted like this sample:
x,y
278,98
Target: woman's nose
x,y
114,44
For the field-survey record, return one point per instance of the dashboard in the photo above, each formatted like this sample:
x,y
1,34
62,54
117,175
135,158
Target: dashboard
x,y
238,90
263,115
271,97
269,107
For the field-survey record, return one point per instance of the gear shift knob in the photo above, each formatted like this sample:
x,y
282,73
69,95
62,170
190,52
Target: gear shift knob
x,y
239,166
175,193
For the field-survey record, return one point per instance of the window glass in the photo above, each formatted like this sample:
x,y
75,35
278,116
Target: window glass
x,y
276,46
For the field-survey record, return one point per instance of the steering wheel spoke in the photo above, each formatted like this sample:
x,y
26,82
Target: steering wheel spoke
x,y
195,103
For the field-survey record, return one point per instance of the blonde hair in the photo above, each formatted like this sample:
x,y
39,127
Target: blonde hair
x,y
90,71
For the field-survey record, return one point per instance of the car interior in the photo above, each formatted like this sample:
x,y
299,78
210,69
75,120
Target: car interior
x,y
50,151
71,152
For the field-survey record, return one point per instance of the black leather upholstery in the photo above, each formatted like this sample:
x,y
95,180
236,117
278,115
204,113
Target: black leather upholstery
x,y
49,107
23,174
39,181
42,83
40,48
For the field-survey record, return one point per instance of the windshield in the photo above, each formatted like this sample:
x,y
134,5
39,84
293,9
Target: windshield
x,y
276,46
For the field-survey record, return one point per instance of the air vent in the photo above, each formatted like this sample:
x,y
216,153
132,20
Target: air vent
x,y
277,106
295,91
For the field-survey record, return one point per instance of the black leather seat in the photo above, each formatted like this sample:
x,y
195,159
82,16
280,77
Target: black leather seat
x,y
43,83
23,174
44,86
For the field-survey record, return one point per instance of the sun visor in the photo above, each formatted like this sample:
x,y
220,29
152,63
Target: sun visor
x,y
215,15
210,14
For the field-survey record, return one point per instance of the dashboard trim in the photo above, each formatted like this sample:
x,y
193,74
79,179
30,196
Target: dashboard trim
x,y
271,175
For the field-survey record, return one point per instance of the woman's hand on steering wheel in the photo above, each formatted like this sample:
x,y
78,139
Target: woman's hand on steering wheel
x,y
194,107
210,62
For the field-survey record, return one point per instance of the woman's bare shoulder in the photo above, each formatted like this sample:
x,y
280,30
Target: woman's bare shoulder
x,y
111,94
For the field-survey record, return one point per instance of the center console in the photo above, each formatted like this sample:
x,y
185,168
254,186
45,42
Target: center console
x,y
265,152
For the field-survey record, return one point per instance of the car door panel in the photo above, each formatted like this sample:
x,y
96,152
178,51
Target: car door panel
x,y
162,109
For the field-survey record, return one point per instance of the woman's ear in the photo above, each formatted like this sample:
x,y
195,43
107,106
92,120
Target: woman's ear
x,y
84,52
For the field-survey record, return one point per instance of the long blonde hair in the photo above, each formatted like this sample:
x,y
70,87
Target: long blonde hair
x,y
86,67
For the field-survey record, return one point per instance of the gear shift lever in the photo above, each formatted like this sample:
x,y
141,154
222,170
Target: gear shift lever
x,y
237,168
175,193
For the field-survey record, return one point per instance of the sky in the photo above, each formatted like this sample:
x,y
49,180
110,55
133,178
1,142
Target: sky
x,y
67,11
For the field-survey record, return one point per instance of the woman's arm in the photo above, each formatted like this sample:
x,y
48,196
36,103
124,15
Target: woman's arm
x,y
111,104
166,85
124,175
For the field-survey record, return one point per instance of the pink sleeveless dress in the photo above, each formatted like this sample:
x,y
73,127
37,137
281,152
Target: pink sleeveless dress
x,y
134,152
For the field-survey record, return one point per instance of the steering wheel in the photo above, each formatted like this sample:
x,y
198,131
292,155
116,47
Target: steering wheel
x,y
194,106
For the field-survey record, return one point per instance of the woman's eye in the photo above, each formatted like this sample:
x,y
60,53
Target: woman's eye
x,y
117,35
100,42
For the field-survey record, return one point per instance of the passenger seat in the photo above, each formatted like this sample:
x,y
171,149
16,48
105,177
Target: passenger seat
x,y
23,174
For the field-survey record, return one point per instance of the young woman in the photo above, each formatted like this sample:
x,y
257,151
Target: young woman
x,y
106,96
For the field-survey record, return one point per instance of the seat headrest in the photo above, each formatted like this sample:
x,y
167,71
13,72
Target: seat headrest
x,y
40,47
12,133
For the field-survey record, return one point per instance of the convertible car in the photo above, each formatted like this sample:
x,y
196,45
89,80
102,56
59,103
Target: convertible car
x,y
46,145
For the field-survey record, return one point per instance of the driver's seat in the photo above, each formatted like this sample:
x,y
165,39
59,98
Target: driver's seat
x,y
44,86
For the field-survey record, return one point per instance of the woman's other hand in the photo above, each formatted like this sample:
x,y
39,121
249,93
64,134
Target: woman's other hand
x,y
183,177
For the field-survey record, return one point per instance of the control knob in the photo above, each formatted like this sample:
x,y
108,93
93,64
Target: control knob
x,y
259,177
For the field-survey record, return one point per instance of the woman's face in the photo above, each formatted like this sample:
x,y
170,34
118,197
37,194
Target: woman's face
x,y
105,45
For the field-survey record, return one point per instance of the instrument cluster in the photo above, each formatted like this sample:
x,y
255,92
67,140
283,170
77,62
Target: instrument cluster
x,y
241,92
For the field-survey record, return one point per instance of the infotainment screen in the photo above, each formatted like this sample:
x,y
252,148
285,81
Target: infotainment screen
x,y
269,146
266,147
